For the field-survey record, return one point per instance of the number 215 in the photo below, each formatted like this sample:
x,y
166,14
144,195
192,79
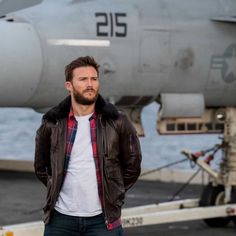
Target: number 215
x,y
111,24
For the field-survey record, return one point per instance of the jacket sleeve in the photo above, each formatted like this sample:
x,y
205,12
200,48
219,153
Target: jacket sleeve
x,y
130,153
42,153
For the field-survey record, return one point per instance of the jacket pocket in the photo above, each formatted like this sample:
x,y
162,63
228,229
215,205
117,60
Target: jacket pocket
x,y
54,140
113,172
113,167
48,195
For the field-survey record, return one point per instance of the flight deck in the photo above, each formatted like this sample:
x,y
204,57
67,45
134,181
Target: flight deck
x,y
22,197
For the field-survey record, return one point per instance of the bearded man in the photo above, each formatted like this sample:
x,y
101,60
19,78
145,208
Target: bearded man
x,y
87,155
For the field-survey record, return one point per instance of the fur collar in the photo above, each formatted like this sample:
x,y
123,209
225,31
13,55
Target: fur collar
x,y
61,111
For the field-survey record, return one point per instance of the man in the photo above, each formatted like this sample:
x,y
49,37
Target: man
x,y
88,155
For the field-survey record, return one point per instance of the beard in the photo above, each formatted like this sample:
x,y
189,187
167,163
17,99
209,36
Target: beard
x,y
81,99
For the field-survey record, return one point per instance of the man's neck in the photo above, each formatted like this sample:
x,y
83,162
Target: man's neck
x,y
82,110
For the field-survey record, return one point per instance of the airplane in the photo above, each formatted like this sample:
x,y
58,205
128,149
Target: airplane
x,y
181,54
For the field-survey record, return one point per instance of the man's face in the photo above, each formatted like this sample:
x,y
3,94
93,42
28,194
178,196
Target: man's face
x,y
84,86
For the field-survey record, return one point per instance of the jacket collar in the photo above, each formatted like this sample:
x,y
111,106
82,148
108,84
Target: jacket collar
x,y
61,111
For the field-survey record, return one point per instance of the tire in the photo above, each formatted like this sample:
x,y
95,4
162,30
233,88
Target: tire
x,y
233,200
214,196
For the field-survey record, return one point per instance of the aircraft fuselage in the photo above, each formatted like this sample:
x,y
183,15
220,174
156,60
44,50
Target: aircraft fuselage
x,y
145,48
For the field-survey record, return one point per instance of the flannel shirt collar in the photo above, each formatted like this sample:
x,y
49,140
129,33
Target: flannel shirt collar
x,y
71,114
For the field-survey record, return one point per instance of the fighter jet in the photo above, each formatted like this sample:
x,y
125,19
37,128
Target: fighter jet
x,y
181,54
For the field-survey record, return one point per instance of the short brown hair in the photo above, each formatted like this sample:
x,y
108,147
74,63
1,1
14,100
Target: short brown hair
x,y
80,62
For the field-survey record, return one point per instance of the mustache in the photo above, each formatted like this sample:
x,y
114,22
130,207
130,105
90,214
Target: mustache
x,y
89,90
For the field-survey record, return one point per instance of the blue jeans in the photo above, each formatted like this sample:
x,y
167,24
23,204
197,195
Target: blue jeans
x,y
64,225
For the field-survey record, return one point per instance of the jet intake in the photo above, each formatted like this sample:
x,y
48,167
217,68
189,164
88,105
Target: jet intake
x,y
21,63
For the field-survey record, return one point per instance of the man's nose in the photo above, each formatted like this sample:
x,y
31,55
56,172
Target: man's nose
x,y
89,83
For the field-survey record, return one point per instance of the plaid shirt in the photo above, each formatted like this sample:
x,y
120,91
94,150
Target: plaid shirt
x,y
71,133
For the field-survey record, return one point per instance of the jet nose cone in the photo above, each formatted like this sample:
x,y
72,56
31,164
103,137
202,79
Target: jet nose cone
x,y
20,63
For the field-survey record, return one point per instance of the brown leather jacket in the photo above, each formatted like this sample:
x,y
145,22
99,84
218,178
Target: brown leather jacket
x,y
118,150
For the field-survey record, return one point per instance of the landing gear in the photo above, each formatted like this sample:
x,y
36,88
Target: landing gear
x,y
221,189
217,204
214,196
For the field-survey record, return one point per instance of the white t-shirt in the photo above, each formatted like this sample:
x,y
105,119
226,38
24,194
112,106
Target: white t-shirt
x,y
79,193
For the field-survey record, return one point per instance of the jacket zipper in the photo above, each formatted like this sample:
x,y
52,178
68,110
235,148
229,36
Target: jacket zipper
x,y
130,144
104,155
55,148
103,196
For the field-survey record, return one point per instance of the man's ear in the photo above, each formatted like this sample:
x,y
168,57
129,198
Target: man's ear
x,y
68,86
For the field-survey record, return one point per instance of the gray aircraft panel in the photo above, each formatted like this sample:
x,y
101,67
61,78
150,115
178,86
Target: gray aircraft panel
x,y
145,48
7,6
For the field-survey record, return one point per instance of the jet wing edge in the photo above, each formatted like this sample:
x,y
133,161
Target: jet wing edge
x,y
227,19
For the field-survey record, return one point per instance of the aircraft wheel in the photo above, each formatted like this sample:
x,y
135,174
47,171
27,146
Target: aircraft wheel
x,y
214,196
234,220
234,201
